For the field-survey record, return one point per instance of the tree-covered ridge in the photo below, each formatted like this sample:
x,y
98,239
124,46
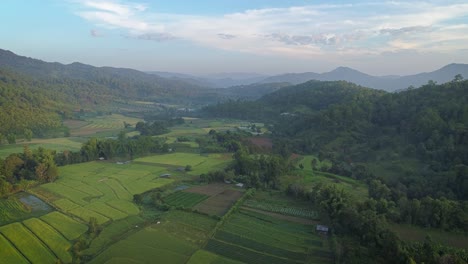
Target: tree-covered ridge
x,y
317,95
23,107
350,124
114,83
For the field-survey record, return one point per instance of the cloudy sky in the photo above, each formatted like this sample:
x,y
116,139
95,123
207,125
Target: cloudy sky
x,y
263,36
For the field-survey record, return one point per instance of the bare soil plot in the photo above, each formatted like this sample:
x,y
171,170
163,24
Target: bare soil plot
x,y
210,189
219,204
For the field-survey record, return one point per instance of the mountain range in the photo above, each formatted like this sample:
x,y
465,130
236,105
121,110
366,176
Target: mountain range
x,y
163,85
387,83
217,80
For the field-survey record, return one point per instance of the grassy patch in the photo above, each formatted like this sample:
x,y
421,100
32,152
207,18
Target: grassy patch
x,y
113,233
358,190
206,257
190,227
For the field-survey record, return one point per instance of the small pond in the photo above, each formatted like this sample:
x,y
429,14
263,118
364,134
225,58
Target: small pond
x,y
36,205
22,206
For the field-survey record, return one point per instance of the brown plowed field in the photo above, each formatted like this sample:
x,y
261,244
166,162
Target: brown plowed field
x,y
219,204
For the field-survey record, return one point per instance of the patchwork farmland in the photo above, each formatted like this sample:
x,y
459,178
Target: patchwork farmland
x,y
262,229
260,236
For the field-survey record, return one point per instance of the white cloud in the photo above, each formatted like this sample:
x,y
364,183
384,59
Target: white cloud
x,y
312,30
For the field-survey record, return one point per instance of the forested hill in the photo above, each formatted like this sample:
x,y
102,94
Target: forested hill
x,y
304,98
25,108
118,82
419,137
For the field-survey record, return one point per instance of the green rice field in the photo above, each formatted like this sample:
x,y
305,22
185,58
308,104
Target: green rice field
x,y
258,238
54,240
9,253
27,243
102,190
68,227
150,243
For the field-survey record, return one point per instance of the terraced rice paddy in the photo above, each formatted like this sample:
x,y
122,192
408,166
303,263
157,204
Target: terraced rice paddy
x,y
40,240
257,238
68,227
51,238
174,240
97,124
101,190
27,243
151,243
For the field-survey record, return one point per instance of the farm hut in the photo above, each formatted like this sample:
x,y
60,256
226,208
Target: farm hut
x,y
165,175
322,229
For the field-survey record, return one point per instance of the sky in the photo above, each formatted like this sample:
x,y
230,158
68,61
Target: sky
x,y
261,36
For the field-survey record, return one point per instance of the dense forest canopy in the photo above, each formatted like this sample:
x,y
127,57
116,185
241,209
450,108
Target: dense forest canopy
x,y
352,124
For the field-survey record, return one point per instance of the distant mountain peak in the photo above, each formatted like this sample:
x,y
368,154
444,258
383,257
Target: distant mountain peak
x,y
346,70
388,83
